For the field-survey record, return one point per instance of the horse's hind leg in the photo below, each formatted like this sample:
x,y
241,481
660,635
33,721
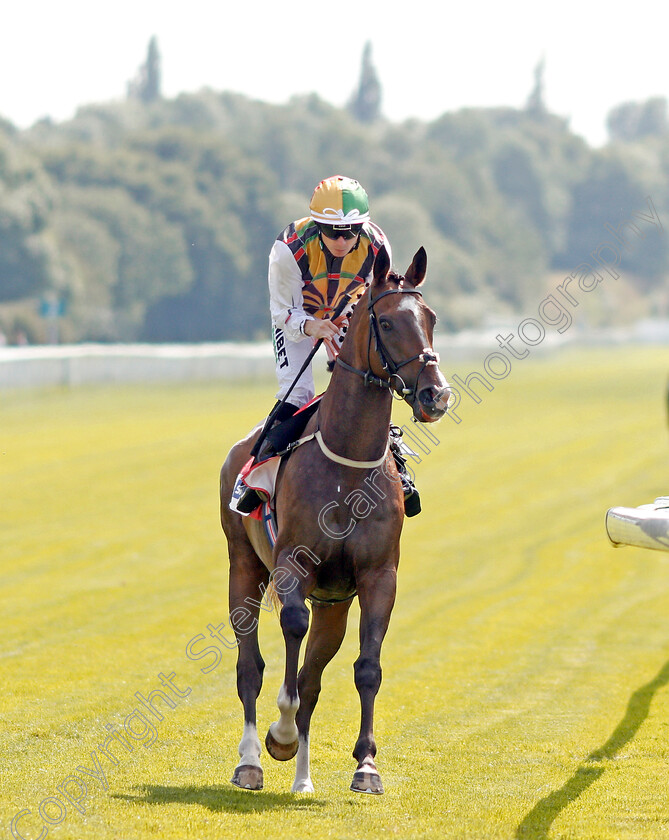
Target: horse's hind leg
x,y
248,582
328,627
377,596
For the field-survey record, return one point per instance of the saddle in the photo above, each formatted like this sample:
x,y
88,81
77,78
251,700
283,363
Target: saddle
x,y
256,482
280,437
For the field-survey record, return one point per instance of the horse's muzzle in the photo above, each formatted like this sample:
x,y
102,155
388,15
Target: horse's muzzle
x,y
431,403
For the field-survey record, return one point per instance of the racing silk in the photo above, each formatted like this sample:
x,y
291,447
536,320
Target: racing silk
x,y
306,281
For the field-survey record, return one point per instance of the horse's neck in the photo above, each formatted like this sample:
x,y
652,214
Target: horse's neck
x,y
354,417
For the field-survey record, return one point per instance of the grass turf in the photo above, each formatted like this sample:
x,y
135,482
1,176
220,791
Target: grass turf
x,y
526,666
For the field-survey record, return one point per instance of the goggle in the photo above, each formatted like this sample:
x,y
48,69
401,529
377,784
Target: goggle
x,y
335,231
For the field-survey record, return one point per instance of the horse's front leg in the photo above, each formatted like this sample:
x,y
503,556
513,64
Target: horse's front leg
x,y
291,587
376,592
328,628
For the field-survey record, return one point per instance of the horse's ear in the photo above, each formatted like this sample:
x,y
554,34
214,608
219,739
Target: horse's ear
x,y
381,265
418,268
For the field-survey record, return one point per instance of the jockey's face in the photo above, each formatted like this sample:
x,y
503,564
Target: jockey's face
x,y
340,247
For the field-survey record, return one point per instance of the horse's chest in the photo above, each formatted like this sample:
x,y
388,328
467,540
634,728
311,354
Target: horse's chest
x,y
359,520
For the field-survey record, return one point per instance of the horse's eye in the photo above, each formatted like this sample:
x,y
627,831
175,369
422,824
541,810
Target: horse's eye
x,y
386,326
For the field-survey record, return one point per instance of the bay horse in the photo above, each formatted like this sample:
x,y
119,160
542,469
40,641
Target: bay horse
x,y
339,510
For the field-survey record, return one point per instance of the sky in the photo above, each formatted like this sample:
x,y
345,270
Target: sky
x,y
430,57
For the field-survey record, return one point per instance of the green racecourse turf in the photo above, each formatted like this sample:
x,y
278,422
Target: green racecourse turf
x,y
526,669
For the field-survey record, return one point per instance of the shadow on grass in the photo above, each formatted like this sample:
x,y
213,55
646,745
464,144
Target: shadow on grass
x,y
221,798
536,825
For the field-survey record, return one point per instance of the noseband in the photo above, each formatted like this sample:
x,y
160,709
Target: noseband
x,y
387,362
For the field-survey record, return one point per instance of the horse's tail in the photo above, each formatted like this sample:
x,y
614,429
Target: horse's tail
x,y
272,597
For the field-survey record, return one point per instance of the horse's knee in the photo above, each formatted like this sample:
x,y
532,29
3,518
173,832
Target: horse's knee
x,y
367,672
295,620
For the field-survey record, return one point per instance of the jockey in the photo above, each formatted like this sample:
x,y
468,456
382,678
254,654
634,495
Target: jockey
x,y
313,264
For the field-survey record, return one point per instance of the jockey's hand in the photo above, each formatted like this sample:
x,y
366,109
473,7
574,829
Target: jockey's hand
x,y
321,329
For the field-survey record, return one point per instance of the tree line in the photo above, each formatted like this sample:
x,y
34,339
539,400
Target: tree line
x,y
151,219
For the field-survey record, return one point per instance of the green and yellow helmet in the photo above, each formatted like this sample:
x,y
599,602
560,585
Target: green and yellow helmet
x,y
339,200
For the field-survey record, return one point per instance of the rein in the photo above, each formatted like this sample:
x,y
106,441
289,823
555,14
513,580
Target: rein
x,y
387,362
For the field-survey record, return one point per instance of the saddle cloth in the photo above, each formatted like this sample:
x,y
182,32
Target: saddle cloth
x,y
261,477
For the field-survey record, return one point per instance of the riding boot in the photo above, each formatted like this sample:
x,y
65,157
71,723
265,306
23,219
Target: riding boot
x,y
250,498
411,495
264,449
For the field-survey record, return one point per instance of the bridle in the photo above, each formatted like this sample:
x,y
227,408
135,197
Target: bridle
x,y
391,367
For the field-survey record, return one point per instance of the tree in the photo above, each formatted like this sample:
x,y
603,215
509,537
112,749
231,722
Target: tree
x,y
26,196
365,104
146,85
535,101
635,120
608,196
154,223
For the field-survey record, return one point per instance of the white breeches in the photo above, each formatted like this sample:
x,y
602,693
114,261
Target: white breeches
x,y
290,356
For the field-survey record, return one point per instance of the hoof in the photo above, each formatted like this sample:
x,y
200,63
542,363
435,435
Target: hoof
x,y
303,786
365,782
281,752
248,777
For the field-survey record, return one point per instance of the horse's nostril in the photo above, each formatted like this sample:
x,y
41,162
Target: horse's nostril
x,y
427,396
435,398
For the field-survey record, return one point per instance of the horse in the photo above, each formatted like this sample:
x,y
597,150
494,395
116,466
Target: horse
x,y
339,510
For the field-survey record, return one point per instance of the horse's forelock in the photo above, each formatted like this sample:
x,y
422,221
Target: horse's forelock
x,y
394,277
